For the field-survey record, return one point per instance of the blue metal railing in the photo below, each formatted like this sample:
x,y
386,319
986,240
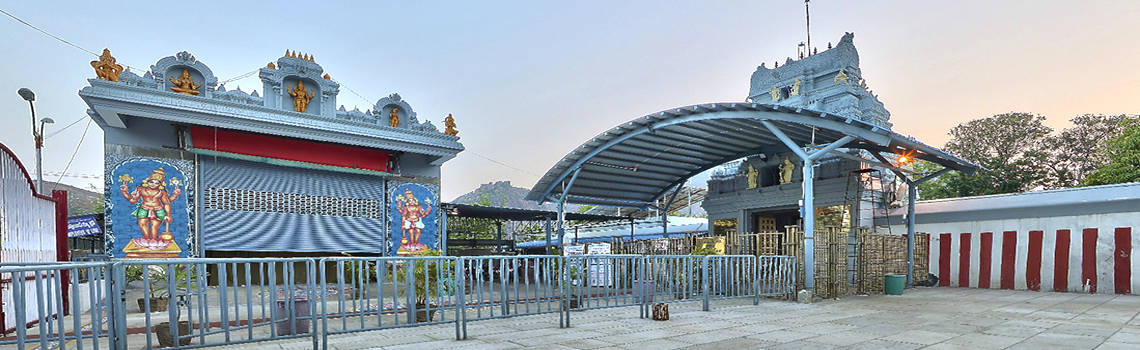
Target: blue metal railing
x,y
212,302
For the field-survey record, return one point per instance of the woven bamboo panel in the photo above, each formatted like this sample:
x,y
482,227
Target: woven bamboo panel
x,y
831,262
880,254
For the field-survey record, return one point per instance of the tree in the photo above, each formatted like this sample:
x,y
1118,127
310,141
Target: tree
x,y
1123,153
1070,156
1003,144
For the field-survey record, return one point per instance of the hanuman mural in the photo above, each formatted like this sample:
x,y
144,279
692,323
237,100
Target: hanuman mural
x,y
416,219
152,206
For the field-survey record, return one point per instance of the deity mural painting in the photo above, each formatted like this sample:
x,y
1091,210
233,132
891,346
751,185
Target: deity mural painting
x,y
152,216
413,221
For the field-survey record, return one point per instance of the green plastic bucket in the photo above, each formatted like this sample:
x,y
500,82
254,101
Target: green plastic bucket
x,y
893,284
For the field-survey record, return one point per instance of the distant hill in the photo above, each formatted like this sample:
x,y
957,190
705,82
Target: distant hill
x,y
79,200
502,194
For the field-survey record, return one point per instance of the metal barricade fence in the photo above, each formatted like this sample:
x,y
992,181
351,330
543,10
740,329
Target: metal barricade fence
x,y
230,301
387,292
35,290
188,303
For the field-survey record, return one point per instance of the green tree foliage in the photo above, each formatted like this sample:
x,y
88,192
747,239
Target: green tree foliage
x,y
1123,154
1070,156
1004,145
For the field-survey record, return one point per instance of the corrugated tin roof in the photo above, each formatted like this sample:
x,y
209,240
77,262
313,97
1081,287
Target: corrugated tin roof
x,y
638,162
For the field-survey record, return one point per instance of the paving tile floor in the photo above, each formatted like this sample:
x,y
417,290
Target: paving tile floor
x,y
924,318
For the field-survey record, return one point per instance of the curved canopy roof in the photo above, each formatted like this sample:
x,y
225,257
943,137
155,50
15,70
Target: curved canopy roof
x,y
638,162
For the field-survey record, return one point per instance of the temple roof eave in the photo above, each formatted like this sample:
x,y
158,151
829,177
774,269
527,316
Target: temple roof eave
x,y
108,100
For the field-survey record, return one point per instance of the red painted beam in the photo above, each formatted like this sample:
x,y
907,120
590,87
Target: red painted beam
x,y
944,259
1061,262
964,261
1123,260
1088,258
1008,258
1033,261
985,259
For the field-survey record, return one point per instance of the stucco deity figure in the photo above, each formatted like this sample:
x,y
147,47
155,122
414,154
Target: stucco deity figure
x,y
775,93
841,77
449,122
796,87
752,175
185,84
106,68
394,117
786,171
411,219
153,209
301,96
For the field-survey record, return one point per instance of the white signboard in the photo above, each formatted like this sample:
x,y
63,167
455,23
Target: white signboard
x,y
576,249
600,270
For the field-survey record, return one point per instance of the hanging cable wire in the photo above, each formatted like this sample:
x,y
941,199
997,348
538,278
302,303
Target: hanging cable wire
x,y
366,101
81,138
503,164
240,77
58,38
65,128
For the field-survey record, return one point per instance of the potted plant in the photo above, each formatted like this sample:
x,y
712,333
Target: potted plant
x,y
185,280
433,278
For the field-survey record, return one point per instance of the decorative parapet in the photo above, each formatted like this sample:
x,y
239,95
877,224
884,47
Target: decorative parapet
x,y
154,95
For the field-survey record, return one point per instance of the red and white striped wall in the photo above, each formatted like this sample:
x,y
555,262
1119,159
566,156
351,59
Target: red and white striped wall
x,y
1080,239
1090,260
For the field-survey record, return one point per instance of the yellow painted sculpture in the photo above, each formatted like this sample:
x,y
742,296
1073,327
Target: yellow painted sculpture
x,y
394,117
752,174
450,124
775,93
301,96
796,87
185,84
841,77
106,68
786,171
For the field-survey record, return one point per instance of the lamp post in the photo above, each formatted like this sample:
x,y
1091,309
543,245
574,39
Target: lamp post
x,y
37,135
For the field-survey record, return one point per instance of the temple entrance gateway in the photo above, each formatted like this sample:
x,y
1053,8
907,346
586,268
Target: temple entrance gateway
x,y
788,151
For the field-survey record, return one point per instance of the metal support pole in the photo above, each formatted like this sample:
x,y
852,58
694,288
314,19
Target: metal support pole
x,y
808,211
912,194
562,211
547,235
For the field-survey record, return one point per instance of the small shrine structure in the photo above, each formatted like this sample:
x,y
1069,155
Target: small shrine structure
x,y
196,170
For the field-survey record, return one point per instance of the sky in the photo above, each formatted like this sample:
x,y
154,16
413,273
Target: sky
x,y
529,81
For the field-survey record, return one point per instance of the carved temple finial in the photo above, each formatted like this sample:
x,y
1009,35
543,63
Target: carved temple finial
x,y
394,117
449,122
271,66
288,53
185,84
106,68
327,77
301,96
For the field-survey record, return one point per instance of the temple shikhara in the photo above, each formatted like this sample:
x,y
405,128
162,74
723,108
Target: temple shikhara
x,y
196,170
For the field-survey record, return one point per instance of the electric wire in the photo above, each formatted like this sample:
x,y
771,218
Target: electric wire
x,y
503,164
64,128
57,38
68,166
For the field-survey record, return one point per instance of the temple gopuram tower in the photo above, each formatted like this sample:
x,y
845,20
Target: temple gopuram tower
x,y
761,193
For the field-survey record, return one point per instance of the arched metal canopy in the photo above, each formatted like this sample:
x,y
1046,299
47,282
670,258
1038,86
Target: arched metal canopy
x,y
638,162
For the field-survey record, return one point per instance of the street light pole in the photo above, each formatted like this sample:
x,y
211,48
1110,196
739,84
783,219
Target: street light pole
x,y
38,136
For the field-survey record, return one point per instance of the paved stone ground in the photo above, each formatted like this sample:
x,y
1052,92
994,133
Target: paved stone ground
x,y
925,318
